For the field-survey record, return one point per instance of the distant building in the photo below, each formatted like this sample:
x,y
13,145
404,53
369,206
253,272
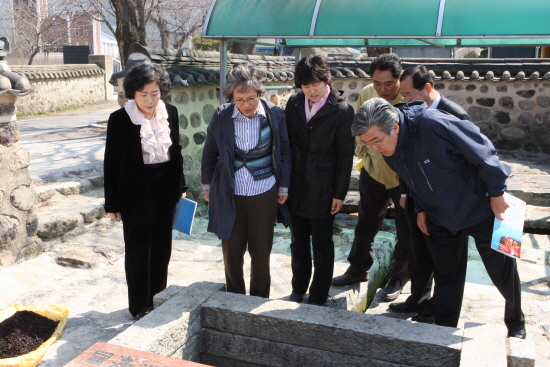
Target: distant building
x,y
72,28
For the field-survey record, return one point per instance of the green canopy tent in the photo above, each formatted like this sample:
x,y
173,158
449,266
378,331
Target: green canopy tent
x,y
356,23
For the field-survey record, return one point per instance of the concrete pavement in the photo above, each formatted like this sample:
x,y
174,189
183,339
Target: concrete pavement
x,y
79,117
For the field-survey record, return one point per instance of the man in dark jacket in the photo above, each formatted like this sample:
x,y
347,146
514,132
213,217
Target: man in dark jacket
x,y
416,84
457,182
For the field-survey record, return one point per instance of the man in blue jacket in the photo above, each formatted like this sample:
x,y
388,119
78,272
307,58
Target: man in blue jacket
x,y
457,182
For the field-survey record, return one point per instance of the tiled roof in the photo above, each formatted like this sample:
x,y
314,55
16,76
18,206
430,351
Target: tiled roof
x,y
190,67
57,71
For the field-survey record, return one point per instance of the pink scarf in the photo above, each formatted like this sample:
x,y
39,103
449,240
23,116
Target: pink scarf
x,y
313,107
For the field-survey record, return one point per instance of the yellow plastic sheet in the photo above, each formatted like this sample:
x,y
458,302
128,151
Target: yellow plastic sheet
x,y
52,312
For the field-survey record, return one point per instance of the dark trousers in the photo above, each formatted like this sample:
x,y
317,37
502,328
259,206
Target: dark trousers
x,y
147,225
253,227
450,258
421,265
320,231
373,205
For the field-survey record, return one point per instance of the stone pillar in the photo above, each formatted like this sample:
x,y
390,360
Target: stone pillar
x,y
106,63
18,223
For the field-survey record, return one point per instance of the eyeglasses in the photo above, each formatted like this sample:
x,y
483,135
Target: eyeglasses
x,y
411,95
250,101
377,142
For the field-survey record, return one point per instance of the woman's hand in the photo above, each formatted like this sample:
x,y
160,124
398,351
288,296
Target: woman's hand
x,y
282,199
336,206
206,196
115,216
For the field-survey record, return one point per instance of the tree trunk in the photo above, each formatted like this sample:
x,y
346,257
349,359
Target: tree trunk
x,y
130,25
33,54
162,26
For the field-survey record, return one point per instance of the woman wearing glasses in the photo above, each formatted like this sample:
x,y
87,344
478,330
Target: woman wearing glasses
x,y
319,130
245,177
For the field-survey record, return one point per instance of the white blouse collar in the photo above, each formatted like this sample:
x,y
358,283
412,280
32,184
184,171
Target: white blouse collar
x,y
154,133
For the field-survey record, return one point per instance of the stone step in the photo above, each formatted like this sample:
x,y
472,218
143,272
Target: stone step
x,y
64,217
45,192
537,219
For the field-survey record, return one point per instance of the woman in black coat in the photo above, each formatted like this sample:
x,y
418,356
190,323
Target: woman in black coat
x,y
321,143
143,172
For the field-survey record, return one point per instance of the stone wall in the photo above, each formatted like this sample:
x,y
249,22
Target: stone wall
x,y
514,115
60,86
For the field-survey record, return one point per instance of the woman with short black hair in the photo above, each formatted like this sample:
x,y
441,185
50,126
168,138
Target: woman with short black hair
x,y
319,130
143,173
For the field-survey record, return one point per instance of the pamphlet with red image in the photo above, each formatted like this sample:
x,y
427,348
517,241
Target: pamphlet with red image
x,y
507,233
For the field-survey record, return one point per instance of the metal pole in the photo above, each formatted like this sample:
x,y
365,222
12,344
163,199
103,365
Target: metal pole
x,y
298,55
223,68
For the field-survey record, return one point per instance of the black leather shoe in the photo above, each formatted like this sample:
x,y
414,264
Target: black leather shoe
x,y
315,303
346,279
517,334
141,315
392,291
403,307
296,297
425,317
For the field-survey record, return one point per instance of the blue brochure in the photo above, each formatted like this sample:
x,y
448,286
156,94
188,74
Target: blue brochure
x,y
185,214
507,233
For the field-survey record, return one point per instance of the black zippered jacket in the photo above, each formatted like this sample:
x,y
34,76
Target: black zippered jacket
x,y
322,155
450,167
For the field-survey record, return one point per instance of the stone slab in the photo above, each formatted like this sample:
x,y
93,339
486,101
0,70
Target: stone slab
x,y
168,328
333,330
191,351
107,354
521,352
225,362
269,353
483,345
61,214
165,295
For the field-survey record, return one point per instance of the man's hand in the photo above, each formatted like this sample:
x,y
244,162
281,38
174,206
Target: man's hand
x,y
206,196
115,216
403,201
499,206
282,199
336,206
421,220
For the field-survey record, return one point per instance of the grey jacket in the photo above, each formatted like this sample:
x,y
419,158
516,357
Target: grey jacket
x,y
218,169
